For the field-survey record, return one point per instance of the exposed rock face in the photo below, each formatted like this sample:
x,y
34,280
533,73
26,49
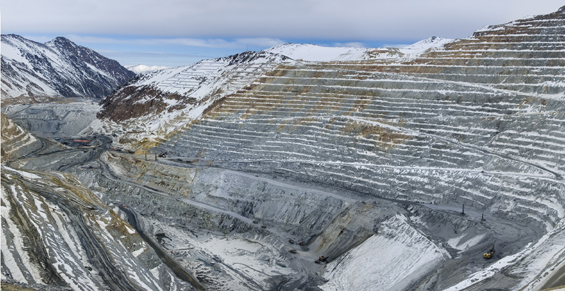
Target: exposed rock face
x,y
56,232
54,119
32,70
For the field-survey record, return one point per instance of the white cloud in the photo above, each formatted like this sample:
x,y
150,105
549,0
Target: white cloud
x,y
206,23
349,44
262,41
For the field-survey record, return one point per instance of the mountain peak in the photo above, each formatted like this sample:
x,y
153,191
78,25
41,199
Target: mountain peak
x,y
57,68
60,41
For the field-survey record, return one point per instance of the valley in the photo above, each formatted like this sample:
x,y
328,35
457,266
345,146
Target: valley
x,y
356,169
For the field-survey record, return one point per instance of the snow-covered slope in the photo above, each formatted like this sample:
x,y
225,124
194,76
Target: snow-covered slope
x,y
57,233
142,69
159,102
476,121
53,119
32,70
432,43
316,53
394,259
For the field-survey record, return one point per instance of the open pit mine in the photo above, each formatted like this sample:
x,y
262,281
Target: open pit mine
x,y
439,166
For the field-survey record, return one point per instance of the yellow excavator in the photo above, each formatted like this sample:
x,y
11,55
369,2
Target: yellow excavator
x,y
490,253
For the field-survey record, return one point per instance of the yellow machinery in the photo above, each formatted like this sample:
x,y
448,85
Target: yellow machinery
x,y
490,253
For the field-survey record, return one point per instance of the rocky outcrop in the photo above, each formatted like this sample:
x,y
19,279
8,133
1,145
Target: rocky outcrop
x,y
59,68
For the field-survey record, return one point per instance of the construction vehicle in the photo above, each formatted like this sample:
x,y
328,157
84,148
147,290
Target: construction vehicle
x,y
490,253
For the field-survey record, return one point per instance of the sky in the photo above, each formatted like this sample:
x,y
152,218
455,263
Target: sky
x,y
181,32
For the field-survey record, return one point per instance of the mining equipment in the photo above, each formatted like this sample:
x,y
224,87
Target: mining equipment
x,y
490,253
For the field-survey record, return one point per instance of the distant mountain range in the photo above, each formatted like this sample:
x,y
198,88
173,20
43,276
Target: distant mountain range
x,y
58,68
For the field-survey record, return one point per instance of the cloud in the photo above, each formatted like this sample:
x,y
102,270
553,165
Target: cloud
x,y
349,44
189,42
262,41
206,23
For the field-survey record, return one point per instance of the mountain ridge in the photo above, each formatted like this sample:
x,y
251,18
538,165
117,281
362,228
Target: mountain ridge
x,y
55,69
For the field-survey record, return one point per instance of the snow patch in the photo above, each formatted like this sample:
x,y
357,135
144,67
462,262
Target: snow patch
x,y
391,260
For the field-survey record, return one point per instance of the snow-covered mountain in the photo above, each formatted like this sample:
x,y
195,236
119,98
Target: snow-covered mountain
x,y
141,69
58,68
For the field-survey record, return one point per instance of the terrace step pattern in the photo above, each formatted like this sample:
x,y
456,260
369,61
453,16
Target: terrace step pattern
x,y
157,94
480,123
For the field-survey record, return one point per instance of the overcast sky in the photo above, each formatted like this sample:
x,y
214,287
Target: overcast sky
x,y
181,32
